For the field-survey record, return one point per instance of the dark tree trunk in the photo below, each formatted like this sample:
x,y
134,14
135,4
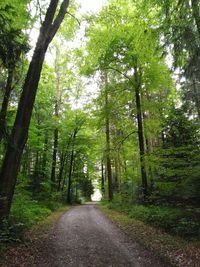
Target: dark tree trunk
x,y
63,160
54,159
102,178
19,133
69,200
196,93
69,188
44,157
140,133
108,160
65,176
4,108
57,109
117,170
61,169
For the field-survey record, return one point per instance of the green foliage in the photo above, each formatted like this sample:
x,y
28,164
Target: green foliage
x,y
177,162
27,211
183,222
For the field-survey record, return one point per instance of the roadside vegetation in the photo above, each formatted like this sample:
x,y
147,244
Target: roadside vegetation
x,y
173,250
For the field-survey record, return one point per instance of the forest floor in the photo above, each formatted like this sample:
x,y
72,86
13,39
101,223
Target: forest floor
x,y
84,236
172,249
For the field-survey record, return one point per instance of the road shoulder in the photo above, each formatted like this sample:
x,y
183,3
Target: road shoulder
x,y
171,249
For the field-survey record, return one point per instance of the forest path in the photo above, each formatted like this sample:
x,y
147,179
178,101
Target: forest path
x,y
85,237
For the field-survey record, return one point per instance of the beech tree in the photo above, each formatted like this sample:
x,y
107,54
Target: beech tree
x,y
119,54
52,21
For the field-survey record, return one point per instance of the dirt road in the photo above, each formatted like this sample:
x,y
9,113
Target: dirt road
x,y
84,237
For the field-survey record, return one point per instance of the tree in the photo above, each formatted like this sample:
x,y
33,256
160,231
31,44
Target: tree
x,y
19,133
13,44
107,130
121,55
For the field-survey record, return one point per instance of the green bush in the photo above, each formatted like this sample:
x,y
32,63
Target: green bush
x,y
183,222
24,213
175,220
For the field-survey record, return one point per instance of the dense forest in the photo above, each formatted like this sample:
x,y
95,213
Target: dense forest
x,y
106,101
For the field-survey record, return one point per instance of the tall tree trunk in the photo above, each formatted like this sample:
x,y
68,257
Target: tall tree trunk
x,y
44,157
57,110
19,133
54,159
140,133
69,188
108,160
61,169
63,160
102,178
117,170
69,200
4,108
196,93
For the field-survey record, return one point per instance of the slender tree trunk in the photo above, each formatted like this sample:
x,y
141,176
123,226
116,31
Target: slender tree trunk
x,y
108,160
102,178
140,134
69,188
19,133
65,176
4,108
196,94
54,159
44,159
62,165
61,169
117,170
125,169
57,110
69,200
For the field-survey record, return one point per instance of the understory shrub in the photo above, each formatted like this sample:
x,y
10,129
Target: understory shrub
x,y
183,222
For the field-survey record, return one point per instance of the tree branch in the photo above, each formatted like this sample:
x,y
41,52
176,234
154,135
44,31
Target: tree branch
x,y
59,18
79,23
126,137
123,74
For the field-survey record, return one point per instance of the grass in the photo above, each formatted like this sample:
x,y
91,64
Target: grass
x,y
48,222
174,250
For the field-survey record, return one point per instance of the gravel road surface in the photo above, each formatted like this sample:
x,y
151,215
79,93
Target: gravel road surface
x,y
84,237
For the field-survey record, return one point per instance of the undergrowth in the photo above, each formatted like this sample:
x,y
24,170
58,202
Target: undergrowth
x,y
26,212
183,222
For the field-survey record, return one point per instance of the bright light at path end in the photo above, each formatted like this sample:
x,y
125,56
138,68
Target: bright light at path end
x,y
97,195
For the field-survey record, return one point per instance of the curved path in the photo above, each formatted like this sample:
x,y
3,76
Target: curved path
x,y
84,237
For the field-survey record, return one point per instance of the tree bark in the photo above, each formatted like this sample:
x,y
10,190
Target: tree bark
x,y
102,178
61,169
69,200
44,157
108,160
140,134
4,108
57,110
63,160
19,133
117,170
196,94
54,159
